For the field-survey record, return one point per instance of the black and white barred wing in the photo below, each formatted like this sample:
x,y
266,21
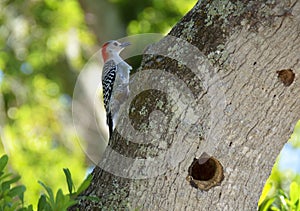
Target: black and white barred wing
x,y
108,79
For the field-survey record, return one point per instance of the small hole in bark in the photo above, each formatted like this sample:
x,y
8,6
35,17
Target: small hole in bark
x,y
254,63
286,76
274,96
230,143
205,172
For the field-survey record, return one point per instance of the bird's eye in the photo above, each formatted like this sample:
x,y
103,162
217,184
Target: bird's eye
x,y
115,44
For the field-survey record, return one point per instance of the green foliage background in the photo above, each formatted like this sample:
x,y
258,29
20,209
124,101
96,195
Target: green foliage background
x,y
43,46
38,71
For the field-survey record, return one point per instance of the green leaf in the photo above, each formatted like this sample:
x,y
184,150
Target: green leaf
x,y
281,193
69,180
294,192
59,200
283,201
264,193
17,191
6,185
43,204
30,208
21,196
85,184
70,203
3,162
266,204
13,180
5,176
275,209
63,202
50,193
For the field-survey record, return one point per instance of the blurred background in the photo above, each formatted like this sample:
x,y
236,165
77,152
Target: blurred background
x,y
43,47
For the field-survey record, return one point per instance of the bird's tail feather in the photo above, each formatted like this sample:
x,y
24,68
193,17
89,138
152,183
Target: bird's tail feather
x,y
109,122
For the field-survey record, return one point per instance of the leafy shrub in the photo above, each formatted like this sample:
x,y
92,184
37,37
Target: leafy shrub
x,y
12,195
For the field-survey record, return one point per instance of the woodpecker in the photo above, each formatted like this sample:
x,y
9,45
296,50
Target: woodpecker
x,y
115,81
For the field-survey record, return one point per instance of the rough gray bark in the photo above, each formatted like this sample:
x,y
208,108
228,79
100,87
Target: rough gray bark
x,y
253,111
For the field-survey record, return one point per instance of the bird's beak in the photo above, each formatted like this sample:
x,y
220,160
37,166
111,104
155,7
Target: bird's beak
x,y
125,44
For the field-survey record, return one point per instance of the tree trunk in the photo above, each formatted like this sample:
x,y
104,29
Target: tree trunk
x,y
240,108
102,18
